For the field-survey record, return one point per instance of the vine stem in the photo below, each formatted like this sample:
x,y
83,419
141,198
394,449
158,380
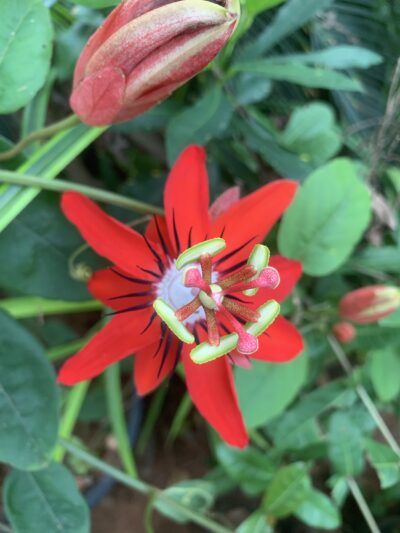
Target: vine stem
x,y
143,488
363,506
96,194
364,396
38,135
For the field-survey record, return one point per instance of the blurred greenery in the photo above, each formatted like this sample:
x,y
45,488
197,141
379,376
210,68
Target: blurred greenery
x,y
305,89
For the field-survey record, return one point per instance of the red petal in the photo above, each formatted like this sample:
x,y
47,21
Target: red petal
x,y
224,202
147,367
107,236
106,284
213,392
281,343
252,217
186,197
290,273
119,338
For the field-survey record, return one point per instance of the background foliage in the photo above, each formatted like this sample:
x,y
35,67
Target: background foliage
x,y
306,89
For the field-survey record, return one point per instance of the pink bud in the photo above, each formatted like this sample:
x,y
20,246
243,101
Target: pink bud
x,y
344,332
144,51
369,304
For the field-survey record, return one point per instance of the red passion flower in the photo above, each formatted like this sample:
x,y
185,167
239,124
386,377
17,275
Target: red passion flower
x,y
196,288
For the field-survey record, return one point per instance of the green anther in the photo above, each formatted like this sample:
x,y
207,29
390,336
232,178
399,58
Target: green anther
x,y
207,301
268,313
259,259
205,352
167,315
193,254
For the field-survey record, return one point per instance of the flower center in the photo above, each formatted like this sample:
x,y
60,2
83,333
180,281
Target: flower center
x,y
192,290
172,291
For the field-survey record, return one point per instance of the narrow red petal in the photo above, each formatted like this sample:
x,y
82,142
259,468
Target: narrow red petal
x,y
105,285
253,216
119,338
212,389
146,368
107,236
186,198
281,343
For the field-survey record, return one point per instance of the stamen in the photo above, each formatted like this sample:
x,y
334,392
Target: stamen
x,y
167,314
212,327
206,352
206,267
247,342
240,310
185,311
259,258
193,278
268,313
193,254
268,279
242,275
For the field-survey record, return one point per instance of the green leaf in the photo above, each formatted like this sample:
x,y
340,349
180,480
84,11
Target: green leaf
x,y
196,494
261,392
313,133
292,16
47,500
251,88
336,57
314,77
96,4
255,523
25,51
345,446
327,218
285,431
386,258
40,266
250,468
384,372
385,462
47,162
317,510
258,6
29,399
287,490
207,119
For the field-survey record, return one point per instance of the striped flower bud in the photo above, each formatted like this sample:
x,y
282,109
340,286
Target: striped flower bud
x,y
369,304
144,51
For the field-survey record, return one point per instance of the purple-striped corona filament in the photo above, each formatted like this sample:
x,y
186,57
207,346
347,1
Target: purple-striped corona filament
x,y
220,301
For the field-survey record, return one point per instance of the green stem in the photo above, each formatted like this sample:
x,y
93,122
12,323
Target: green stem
x,y
363,506
73,406
27,307
179,419
117,416
364,396
96,194
38,135
153,413
144,488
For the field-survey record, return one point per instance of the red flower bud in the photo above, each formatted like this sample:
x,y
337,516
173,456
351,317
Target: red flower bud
x,y
344,332
369,304
144,51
